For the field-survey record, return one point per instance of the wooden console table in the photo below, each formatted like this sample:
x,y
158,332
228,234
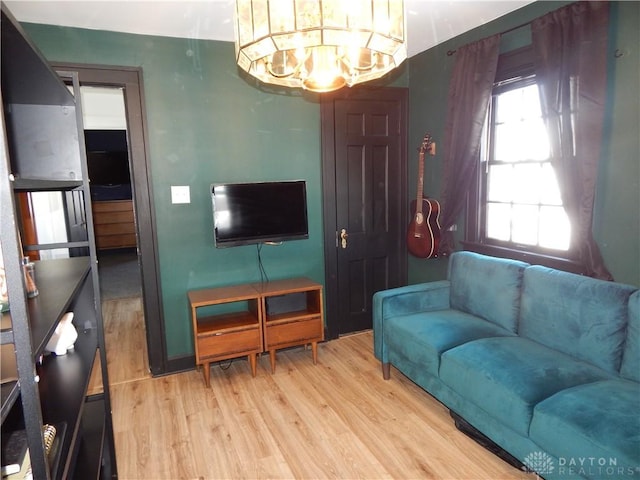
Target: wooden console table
x,y
226,335
268,316
300,324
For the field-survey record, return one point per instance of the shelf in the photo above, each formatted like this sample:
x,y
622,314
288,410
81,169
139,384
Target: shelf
x,y
58,282
215,296
36,185
10,388
63,385
30,80
6,332
41,150
91,446
9,393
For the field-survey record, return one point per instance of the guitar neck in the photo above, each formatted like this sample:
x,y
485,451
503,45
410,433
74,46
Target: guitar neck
x,y
420,188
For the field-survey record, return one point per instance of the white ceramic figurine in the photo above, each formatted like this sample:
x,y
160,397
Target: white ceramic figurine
x,y
64,336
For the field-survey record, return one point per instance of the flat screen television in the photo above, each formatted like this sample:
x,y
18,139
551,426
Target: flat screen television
x,y
259,212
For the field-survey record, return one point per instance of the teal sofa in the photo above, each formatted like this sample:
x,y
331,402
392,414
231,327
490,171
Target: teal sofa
x,y
543,363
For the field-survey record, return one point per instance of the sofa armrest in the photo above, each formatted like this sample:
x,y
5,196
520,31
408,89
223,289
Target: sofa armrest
x,y
422,297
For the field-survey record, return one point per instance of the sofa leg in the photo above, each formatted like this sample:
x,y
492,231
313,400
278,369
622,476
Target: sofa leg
x,y
386,371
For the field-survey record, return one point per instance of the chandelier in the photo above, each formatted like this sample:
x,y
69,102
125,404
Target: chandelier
x,y
319,45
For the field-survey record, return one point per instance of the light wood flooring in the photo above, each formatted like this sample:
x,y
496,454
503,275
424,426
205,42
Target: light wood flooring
x,y
337,419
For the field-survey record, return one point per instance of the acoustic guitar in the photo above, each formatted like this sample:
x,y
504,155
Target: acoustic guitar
x,y
423,234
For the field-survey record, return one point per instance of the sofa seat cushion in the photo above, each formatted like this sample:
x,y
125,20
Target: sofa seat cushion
x,y
506,377
422,337
596,421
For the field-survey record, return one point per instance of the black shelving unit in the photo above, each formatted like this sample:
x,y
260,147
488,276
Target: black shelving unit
x,y
42,149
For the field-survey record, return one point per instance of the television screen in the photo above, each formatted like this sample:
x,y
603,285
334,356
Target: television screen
x,y
249,213
108,168
107,157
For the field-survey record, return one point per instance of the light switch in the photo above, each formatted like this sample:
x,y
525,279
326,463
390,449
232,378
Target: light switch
x,y
180,194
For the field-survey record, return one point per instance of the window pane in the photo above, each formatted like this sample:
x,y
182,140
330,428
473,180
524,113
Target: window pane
x,y
518,103
500,183
499,221
520,131
509,106
525,224
535,141
526,181
555,229
508,142
521,140
549,189
531,100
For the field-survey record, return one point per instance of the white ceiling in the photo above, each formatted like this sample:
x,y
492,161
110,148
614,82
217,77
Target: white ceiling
x,y
429,22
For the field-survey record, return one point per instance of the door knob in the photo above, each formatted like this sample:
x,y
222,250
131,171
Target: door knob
x,y
343,238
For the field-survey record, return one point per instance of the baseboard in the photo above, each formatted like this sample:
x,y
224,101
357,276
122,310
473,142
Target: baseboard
x,y
185,363
179,364
469,430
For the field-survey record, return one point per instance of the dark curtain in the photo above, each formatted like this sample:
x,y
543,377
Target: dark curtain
x,y
469,95
570,46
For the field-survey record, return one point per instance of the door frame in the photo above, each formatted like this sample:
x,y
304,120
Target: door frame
x,y
130,79
329,201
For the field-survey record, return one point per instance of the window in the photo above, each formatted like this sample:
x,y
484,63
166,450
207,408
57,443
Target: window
x,y
521,194
518,203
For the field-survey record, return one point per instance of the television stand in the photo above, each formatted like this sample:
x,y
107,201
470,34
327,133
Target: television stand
x,y
268,316
292,315
226,335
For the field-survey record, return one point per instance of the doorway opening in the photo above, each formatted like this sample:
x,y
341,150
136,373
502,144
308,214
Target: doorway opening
x,y
112,204
128,82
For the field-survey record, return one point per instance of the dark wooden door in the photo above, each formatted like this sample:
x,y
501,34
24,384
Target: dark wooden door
x,y
367,152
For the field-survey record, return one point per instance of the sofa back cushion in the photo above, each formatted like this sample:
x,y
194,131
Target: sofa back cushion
x,y
631,356
487,287
581,316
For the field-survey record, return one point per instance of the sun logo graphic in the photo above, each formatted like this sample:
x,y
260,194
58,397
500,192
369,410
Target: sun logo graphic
x,y
539,462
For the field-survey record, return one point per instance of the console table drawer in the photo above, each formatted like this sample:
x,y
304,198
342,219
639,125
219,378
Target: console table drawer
x,y
296,332
228,345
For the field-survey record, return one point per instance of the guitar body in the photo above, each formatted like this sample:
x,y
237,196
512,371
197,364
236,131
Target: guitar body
x,y
423,234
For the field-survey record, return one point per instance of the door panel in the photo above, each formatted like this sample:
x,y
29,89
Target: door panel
x,y
369,168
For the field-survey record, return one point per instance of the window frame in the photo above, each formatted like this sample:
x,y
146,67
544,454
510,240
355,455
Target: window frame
x,y
515,69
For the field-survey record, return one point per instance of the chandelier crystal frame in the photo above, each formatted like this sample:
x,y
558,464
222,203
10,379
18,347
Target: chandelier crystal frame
x,y
319,45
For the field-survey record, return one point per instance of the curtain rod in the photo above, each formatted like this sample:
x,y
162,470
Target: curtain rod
x,y
451,52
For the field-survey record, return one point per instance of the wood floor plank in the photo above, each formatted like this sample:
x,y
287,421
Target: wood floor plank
x,y
337,419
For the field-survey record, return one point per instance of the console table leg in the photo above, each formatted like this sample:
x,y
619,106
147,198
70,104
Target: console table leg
x,y
314,352
206,371
272,360
252,362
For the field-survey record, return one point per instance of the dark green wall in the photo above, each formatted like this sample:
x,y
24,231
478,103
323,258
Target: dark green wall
x,y
617,209
207,125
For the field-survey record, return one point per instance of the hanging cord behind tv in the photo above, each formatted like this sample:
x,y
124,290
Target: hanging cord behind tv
x,y
263,273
